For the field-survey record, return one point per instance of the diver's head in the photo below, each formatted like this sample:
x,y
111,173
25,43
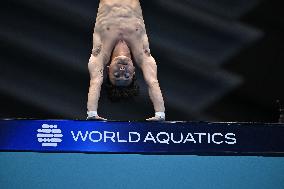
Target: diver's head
x,y
121,71
121,81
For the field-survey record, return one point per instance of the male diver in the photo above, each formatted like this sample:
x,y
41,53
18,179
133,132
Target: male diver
x,y
120,39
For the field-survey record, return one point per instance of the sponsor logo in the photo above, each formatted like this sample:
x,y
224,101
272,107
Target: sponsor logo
x,y
49,135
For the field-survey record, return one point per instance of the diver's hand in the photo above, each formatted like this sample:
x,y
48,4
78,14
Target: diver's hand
x,y
93,115
159,116
155,119
98,118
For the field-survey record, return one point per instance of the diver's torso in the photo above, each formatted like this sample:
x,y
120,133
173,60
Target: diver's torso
x,y
120,19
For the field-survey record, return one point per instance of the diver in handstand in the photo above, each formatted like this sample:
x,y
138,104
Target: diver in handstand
x,y
120,37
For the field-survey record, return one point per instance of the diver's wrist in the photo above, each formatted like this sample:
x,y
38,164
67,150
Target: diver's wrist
x,y
92,113
160,115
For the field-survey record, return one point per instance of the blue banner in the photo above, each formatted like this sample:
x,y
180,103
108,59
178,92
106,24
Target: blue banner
x,y
199,138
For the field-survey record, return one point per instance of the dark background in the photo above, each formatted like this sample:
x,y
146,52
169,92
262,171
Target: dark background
x,y
218,60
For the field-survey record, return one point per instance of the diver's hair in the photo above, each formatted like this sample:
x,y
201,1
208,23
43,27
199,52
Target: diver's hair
x,y
118,93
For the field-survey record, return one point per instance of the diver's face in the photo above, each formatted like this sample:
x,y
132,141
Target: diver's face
x,y
121,71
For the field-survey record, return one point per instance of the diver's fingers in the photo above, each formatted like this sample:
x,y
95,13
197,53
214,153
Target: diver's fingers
x,y
155,119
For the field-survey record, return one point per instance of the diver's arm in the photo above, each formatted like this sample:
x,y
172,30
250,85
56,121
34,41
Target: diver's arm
x,y
96,68
149,69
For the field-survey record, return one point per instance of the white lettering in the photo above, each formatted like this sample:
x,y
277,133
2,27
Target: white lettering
x,y
200,136
118,139
79,134
133,133
234,140
213,138
174,141
165,140
95,140
110,137
208,138
149,137
191,139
